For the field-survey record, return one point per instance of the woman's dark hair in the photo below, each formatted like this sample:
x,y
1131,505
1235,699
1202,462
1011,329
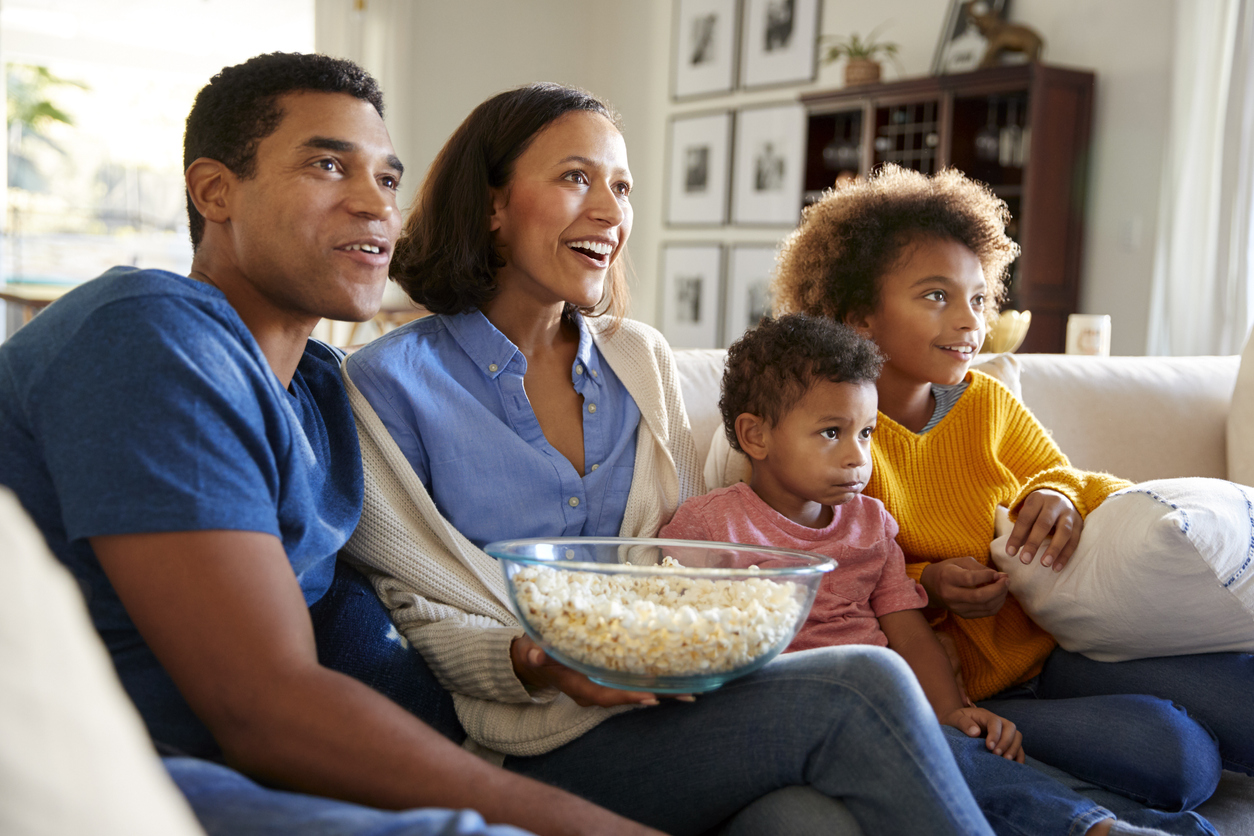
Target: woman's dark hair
x,y
445,259
770,369
239,107
831,265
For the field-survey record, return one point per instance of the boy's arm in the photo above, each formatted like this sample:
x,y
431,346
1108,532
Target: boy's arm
x,y
910,637
225,616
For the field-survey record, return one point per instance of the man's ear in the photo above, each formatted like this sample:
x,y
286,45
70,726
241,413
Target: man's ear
x,y
753,435
208,182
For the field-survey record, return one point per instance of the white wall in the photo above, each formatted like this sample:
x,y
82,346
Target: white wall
x,y
457,54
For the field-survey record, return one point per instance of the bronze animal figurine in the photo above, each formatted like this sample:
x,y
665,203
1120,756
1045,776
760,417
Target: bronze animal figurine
x,y
1002,36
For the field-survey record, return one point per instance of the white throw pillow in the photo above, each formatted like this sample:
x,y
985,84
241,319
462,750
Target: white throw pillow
x,y
1164,568
725,466
74,754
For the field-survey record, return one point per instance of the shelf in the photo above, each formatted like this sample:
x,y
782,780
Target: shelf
x,y
1022,129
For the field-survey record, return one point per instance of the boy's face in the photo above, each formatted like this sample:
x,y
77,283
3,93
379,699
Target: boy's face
x,y
819,452
930,320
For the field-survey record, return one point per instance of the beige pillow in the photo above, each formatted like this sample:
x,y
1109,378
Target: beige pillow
x,y
1164,568
725,466
74,754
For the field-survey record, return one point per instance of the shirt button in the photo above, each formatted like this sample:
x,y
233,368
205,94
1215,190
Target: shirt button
x,y
579,369
491,367
573,501
592,408
570,554
595,466
594,372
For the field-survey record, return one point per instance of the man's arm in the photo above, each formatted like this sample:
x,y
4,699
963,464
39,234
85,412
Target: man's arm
x,y
224,614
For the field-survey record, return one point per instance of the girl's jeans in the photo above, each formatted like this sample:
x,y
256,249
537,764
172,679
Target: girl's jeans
x,y
1156,730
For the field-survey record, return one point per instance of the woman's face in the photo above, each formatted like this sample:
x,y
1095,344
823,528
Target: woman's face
x,y
565,216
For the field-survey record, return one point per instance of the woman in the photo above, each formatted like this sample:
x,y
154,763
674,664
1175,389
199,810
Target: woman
x,y
527,407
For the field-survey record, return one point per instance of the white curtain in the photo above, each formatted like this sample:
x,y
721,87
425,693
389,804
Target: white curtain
x,y
1202,301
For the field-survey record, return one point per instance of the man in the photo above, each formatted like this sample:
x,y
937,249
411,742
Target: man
x,y
190,455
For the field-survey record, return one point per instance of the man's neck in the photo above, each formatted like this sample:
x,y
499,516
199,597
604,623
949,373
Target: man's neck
x,y
281,338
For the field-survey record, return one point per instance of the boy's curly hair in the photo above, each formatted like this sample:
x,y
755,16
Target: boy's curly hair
x,y
831,264
772,366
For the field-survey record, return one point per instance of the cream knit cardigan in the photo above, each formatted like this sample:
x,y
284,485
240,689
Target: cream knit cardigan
x,y
449,598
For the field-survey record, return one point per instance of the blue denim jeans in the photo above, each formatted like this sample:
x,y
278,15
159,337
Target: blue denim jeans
x,y
355,636
228,804
1155,730
849,722
1033,799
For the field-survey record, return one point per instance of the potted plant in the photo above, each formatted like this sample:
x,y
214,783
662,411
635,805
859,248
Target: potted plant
x,y
862,65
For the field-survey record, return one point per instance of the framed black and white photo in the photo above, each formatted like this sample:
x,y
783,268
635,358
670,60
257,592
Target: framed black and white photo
x,y
961,46
691,276
700,152
748,288
704,58
767,174
779,42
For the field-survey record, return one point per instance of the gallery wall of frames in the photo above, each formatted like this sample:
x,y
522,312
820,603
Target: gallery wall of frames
x,y
734,164
750,141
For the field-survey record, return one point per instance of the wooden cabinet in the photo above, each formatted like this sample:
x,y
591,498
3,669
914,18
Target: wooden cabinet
x,y
1023,129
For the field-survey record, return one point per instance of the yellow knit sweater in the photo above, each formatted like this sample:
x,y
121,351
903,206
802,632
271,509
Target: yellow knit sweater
x,y
943,488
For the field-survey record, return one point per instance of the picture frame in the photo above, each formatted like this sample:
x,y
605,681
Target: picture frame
x,y
779,42
699,169
692,276
767,174
961,46
749,269
703,55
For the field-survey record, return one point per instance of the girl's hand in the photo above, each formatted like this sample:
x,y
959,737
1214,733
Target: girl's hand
x,y
965,587
1000,735
1046,513
536,670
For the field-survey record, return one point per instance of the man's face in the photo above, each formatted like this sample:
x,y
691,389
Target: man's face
x,y
312,231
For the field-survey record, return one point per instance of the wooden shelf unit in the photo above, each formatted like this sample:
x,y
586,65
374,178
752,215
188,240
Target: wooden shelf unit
x,y
1022,129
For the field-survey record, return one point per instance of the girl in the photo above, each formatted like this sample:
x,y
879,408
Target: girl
x,y
917,264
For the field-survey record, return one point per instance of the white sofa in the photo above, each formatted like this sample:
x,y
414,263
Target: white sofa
x,y
1137,417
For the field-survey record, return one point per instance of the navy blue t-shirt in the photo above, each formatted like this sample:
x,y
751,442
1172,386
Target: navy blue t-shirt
x,y
139,402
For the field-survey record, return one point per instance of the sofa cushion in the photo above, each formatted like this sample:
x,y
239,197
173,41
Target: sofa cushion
x,y
1163,568
1241,420
1139,418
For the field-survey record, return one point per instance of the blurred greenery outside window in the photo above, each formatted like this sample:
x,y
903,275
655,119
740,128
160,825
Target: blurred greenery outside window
x,y
79,201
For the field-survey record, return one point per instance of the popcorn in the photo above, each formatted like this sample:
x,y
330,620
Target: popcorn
x,y
655,625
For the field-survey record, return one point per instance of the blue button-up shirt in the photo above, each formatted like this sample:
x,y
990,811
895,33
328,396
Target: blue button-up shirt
x,y
450,391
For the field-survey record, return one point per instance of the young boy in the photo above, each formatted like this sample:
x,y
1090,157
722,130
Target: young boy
x,y
799,401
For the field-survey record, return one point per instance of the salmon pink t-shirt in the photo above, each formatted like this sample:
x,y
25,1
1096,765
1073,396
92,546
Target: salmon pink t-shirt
x,y
870,577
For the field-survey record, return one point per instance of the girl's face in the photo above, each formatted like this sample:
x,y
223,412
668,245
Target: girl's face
x,y
930,320
565,216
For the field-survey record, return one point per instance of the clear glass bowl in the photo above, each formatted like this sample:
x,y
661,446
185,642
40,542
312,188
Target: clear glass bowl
x,y
607,608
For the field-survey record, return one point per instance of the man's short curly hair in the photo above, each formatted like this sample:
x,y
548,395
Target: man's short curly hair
x,y
832,263
239,107
770,369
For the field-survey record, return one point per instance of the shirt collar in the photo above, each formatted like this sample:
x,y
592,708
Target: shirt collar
x,y
489,349
586,357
